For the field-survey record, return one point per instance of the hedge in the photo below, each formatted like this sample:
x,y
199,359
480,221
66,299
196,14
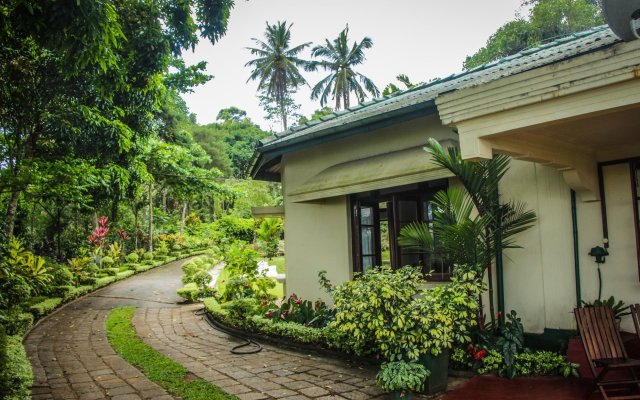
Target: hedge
x,y
16,376
43,308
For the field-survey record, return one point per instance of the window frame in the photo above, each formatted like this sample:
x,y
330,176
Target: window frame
x,y
421,193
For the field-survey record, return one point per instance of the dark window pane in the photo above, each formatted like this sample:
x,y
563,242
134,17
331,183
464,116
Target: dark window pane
x,y
367,263
408,211
367,240
366,215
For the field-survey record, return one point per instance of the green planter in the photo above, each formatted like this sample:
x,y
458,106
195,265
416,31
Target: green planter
x,y
401,395
439,367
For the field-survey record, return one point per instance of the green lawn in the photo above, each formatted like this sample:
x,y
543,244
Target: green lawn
x,y
155,366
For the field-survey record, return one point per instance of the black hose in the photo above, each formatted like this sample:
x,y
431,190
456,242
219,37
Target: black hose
x,y
234,350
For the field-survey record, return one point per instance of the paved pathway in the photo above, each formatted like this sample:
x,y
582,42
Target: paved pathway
x,y
72,359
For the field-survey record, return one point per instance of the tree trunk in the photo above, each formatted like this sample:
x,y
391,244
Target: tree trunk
x,y
283,114
151,218
164,199
12,209
183,217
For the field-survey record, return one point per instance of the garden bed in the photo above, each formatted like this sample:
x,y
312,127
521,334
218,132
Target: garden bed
x,y
293,336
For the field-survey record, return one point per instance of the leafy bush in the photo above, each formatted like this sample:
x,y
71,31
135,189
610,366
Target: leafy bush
x,y
147,256
242,308
189,292
22,274
526,363
132,258
82,268
16,376
300,311
115,252
241,259
161,249
197,278
61,275
269,236
388,313
74,292
17,322
231,228
402,376
44,307
107,262
327,337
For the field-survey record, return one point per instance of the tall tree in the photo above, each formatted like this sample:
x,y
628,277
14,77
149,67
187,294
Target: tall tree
x,y
340,59
277,66
547,19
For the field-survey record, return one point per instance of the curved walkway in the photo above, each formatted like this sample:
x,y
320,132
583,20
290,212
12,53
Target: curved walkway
x,y
72,359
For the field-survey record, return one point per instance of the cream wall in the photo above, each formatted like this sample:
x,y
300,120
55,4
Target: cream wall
x,y
540,277
620,271
317,234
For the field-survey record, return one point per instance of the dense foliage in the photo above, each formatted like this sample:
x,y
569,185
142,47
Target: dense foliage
x,y
547,19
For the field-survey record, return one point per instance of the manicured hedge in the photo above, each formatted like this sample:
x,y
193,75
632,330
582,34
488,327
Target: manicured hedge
x,y
44,307
16,376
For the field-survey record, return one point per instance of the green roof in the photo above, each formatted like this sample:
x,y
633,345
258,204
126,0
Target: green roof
x,y
420,100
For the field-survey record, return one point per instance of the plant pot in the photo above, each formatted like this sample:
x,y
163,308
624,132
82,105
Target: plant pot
x,y
439,368
401,395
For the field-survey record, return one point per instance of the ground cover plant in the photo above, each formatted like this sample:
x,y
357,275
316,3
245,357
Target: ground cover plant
x,y
158,368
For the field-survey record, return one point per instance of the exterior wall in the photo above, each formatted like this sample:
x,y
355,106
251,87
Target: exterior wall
x,y
540,277
317,233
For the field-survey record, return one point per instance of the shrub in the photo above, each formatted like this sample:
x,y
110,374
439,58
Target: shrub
x,y
147,256
231,228
269,236
75,292
61,275
132,258
241,259
44,307
111,271
115,252
302,312
16,376
401,376
82,268
527,363
162,248
17,322
107,262
389,314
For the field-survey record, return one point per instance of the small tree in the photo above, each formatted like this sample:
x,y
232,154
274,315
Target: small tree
x,y
466,239
269,236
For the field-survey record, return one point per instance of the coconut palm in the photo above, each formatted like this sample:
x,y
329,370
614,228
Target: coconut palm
x,y
277,66
340,59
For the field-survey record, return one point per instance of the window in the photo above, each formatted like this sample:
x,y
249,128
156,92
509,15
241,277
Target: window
x,y
378,216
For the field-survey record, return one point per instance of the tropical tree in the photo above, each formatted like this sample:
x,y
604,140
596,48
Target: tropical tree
x,y
466,239
547,19
340,59
277,65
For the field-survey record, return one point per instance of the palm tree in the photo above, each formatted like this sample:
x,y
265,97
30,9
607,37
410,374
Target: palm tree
x,y
466,239
340,59
277,65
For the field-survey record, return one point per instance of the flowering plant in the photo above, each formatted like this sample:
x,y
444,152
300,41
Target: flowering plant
x,y
304,312
98,236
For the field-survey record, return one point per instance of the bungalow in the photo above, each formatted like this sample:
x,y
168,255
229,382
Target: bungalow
x,y
567,112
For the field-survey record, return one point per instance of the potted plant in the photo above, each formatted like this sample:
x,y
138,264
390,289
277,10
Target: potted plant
x,y
401,378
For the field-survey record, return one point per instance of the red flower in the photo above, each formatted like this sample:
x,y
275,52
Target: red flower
x,y
470,348
297,301
269,314
480,354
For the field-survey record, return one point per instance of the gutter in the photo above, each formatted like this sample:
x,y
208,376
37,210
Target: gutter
x,y
576,247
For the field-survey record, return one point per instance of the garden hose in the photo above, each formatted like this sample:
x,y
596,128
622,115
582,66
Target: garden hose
x,y
234,350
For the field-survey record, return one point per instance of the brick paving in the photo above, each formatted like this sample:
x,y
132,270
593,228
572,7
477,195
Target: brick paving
x,y
72,359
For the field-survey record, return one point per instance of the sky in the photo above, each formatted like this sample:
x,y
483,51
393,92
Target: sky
x,y
422,39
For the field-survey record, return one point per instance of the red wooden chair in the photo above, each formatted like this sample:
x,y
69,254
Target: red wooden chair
x,y
604,349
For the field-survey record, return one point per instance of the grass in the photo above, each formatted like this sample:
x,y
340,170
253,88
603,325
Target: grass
x,y
158,368
278,262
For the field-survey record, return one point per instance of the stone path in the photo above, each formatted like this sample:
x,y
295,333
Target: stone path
x,y
72,359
